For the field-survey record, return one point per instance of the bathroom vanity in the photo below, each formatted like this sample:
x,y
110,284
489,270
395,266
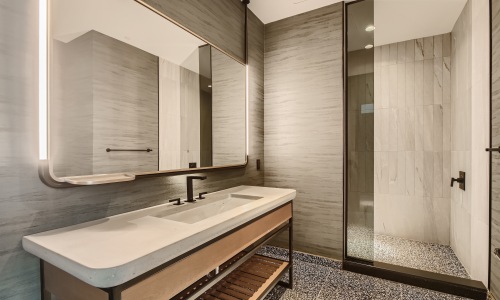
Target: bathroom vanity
x,y
201,250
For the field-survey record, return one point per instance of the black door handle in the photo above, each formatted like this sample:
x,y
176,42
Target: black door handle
x,y
460,180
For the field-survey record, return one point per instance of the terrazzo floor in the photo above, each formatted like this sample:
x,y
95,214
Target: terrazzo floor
x,y
403,252
318,278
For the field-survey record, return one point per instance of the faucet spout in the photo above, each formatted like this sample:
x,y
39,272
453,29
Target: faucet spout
x,y
189,180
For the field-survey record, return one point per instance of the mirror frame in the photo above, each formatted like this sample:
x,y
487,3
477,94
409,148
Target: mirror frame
x,y
45,169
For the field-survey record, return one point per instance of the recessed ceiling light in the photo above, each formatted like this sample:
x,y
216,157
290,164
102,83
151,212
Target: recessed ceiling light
x,y
370,28
210,86
369,46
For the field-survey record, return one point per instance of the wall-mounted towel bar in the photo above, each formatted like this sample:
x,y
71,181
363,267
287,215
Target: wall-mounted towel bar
x,y
129,150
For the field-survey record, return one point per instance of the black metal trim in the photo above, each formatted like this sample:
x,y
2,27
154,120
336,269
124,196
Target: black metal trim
x,y
490,194
42,281
141,277
438,282
345,128
129,150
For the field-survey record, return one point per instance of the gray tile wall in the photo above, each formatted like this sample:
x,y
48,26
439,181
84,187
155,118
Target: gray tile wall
x,y
412,139
495,180
28,206
304,123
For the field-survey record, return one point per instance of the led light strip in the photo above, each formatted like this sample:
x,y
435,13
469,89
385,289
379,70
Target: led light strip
x,y
42,81
247,110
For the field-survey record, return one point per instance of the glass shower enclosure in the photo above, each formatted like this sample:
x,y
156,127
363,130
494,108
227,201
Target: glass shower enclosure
x,y
405,87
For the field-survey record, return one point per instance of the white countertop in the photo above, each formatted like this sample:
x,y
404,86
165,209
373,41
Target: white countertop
x,y
111,251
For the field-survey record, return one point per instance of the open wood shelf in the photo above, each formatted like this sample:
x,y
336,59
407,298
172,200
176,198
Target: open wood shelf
x,y
250,281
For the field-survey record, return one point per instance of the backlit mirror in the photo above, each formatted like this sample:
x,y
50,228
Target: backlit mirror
x,y
138,94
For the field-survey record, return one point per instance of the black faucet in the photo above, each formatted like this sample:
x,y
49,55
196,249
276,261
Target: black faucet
x,y
190,186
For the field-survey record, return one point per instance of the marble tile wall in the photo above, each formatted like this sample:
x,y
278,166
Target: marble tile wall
x,y
27,206
303,123
495,178
412,139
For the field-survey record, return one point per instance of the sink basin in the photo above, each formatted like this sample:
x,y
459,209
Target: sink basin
x,y
203,212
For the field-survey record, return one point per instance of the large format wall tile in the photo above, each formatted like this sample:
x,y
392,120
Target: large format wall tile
x,y
303,123
412,139
27,206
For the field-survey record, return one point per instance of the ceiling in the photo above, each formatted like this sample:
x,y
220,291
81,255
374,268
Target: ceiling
x,y
402,20
395,20
269,11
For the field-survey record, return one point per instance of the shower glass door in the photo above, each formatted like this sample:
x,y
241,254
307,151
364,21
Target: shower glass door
x,y
360,130
411,128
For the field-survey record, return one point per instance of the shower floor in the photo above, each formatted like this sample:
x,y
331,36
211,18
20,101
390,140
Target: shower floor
x,y
362,243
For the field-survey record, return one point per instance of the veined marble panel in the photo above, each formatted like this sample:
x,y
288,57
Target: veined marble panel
x,y
411,135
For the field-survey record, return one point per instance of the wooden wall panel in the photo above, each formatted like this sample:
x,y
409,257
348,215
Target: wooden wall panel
x,y
304,123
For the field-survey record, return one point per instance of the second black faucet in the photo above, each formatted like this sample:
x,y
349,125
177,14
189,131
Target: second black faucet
x,y
190,197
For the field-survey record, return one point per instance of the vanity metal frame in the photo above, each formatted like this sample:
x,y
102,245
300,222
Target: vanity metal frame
x,y
438,282
45,171
114,293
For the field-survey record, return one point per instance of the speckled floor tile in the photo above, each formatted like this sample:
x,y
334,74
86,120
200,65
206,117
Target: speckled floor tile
x,y
403,252
319,278
414,293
